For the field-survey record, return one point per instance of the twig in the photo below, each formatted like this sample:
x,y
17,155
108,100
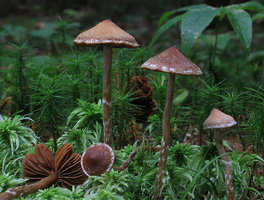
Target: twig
x,y
132,155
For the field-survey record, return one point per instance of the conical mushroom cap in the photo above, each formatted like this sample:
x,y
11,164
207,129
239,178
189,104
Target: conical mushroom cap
x,y
106,32
97,159
218,119
172,61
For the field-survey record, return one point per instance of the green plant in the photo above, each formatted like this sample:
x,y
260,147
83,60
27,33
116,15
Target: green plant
x,y
8,181
112,183
86,113
196,18
57,193
82,138
14,135
48,103
20,51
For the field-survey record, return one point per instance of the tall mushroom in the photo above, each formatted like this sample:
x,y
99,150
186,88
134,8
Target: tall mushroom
x,y
218,120
109,35
43,170
173,62
97,159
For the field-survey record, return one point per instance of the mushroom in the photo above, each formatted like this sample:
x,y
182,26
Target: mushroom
x,y
97,159
109,35
173,62
218,120
42,171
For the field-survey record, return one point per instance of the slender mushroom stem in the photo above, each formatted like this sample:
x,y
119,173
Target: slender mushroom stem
x,y
28,189
107,95
165,137
131,156
227,164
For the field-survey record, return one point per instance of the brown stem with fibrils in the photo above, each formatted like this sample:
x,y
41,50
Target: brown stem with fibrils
x,y
165,136
28,189
107,95
227,164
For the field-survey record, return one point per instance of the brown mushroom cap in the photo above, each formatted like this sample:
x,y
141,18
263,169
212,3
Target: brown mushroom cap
x,y
172,61
218,119
97,159
106,32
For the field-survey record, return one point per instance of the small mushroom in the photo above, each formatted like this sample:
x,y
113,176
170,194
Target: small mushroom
x,y
218,120
109,35
97,159
42,171
173,62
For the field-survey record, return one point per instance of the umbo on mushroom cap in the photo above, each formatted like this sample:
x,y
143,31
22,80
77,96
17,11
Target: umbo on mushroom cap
x,y
106,32
97,159
172,61
218,119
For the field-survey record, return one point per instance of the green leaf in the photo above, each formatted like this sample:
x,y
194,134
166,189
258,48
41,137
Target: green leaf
x,y
258,16
165,27
251,5
193,23
242,25
166,15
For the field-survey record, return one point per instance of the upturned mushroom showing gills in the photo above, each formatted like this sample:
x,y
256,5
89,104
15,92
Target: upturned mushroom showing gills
x,y
218,120
173,62
109,35
43,170
97,159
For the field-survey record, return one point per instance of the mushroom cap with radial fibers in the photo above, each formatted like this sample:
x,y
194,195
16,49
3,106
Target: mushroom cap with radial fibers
x,y
218,119
97,159
106,33
172,61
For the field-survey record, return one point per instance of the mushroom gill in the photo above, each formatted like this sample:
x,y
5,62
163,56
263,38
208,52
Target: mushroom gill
x,y
43,170
68,167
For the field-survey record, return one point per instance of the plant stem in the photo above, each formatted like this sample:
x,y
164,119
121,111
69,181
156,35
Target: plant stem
x,y
28,189
165,137
21,80
107,95
227,164
213,52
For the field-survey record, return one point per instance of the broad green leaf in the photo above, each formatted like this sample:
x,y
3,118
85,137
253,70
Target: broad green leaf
x,y
251,5
166,15
193,23
258,16
165,27
242,25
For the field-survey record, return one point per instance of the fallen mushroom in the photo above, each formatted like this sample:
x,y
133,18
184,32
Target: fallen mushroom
x,y
42,171
109,35
173,62
218,120
97,159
